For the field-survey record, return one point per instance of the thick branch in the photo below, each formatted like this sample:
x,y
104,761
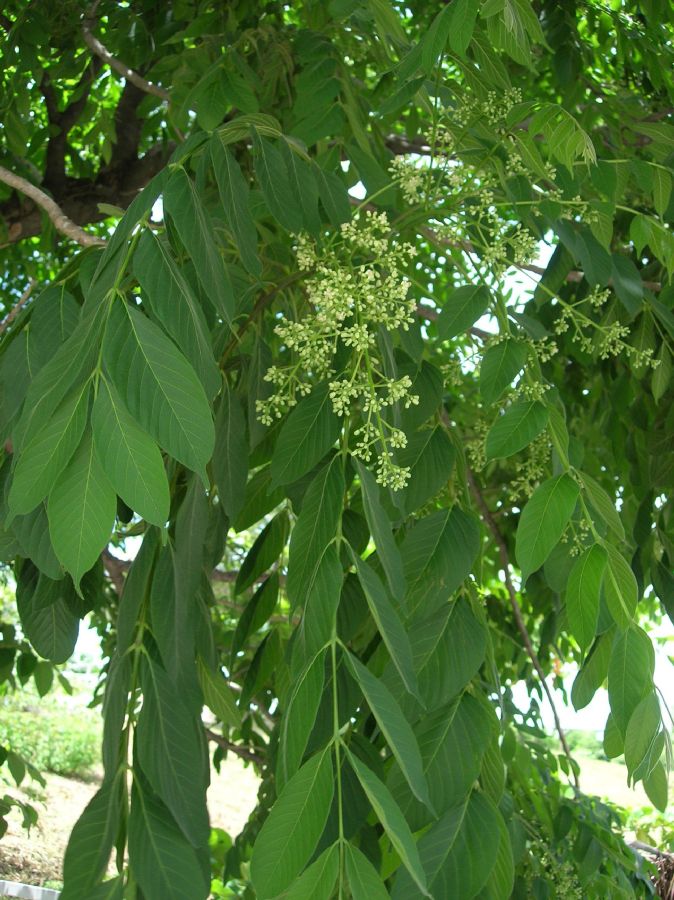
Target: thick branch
x,y
517,613
115,568
16,309
97,47
79,198
59,219
62,122
243,752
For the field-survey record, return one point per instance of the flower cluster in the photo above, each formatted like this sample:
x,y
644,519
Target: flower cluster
x,y
531,468
355,286
607,338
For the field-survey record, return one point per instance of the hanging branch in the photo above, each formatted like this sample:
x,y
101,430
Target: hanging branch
x,y
517,613
16,309
59,219
97,47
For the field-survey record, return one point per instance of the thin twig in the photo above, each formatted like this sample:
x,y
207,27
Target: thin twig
x,y
97,47
59,219
16,309
517,613
243,752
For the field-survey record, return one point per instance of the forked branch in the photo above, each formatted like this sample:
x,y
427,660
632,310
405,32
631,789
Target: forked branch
x,y
517,613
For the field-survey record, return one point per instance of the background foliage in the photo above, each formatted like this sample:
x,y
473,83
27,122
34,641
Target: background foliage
x,y
357,518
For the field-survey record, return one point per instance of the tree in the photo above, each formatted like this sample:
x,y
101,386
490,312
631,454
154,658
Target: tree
x,y
364,511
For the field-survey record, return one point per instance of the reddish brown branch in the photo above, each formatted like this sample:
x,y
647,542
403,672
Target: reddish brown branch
x,y
517,614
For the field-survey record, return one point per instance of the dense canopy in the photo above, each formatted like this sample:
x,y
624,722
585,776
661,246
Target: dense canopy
x,y
335,376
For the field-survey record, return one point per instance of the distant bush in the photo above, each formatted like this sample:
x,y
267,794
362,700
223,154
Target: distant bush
x,y
585,742
64,742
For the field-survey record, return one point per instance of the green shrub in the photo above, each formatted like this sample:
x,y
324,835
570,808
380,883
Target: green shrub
x,y
64,742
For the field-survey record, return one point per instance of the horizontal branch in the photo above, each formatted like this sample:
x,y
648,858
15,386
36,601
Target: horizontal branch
x,y
243,752
79,198
101,51
59,219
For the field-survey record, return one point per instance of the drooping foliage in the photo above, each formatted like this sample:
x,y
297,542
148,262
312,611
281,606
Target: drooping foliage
x,y
369,382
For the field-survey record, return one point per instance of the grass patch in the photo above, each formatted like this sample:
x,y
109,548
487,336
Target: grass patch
x,y
62,741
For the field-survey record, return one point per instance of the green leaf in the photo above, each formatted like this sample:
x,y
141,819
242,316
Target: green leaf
x,y
272,177
173,304
662,190
218,696
317,882
291,832
160,388
308,433
463,308
81,509
70,366
32,535
463,25
183,204
392,819
500,883
516,428
259,499
230,457
113,889
315,528
380,528
388,624
543,521
438,553
164,864
462,638
656,787
170,750
299,718
593,672
234,194
364,879
430,456
43,460
395,728
603,505
264,553
91,841
320,608
620,588
630,673
333,195
627,283
458,852
452,742
45,608
499,367
130,457
642,730
583,591
258,609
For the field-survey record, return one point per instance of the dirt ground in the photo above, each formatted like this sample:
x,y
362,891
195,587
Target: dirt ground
x,y
36,858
